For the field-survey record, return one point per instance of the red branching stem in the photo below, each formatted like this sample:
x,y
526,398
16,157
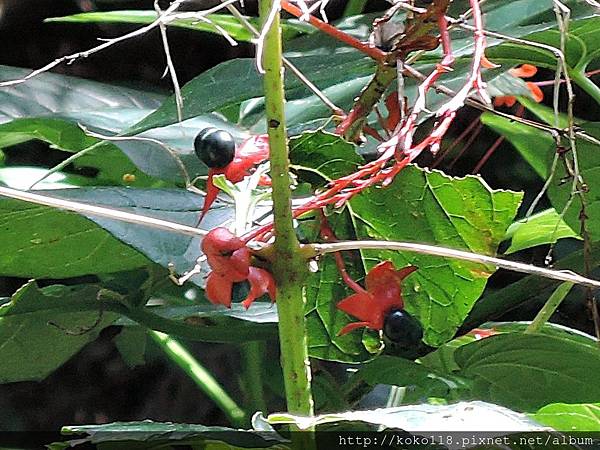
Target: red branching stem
x,y
475,80
373,52
400,146
409,127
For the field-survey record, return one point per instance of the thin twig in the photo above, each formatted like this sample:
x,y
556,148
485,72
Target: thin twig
x,y
170,66
92,210
424,249
410,70
171,151
165,18
108,43
288,64
318,249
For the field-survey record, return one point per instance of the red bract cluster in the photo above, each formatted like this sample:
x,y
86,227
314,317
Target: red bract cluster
x,y
250,153
229,259
382,295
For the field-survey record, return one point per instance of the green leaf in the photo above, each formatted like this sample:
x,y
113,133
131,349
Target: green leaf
x,y
546,227
323,154
421,381
234,81
32,347
581,46
107,110
213,323
442,359
474,416
48,94
230,24
541,155
43,242
525,372
569,417
423,206
162,434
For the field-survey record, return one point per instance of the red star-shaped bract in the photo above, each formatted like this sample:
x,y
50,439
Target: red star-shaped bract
x,y
229,259
251,152
382,294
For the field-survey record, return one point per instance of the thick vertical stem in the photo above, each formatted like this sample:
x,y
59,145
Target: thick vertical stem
x,y
289,268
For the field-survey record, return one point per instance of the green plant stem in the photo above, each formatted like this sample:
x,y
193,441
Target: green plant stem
x,y
549,307
289,268
203,379
590,88
252,358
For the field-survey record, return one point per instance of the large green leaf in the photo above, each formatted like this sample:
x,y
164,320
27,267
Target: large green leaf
x,y
49,94
581,46
570,417
40,329
541,154
423,206
232,82
527,371
45,242
230,24
56,119
318,157
323,154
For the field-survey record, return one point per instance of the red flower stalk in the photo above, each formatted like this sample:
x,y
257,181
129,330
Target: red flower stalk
x,y
251,152
229,259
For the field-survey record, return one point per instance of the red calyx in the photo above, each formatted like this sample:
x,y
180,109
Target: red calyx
x,y
251,152
229,259
382,294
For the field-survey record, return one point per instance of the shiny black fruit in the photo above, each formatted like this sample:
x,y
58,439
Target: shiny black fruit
x,y
402,328
214,147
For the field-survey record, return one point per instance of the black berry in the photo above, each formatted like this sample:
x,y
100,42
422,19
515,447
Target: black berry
x,y
214,147
402,328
